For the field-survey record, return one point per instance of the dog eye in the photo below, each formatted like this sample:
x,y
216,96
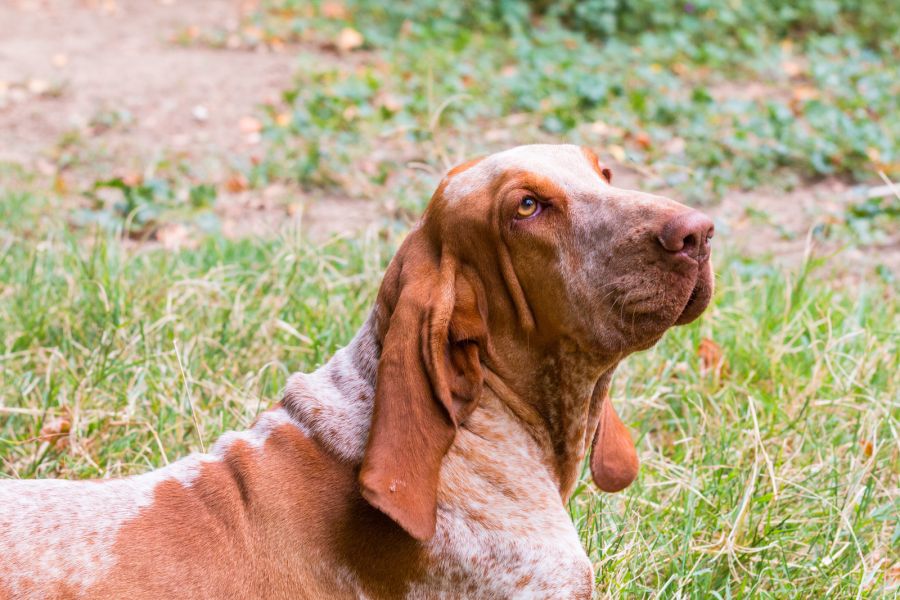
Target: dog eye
x,y
528,207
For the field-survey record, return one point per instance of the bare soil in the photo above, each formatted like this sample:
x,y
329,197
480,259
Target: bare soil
x,y
109,78
73,61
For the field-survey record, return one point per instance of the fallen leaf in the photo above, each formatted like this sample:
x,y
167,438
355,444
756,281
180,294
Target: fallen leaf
x,y
236,183
56,432
643,140
866,446
712,359
60,186
334,10
349,39
250,125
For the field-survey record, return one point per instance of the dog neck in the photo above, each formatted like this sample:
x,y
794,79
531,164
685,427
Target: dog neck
x,y
558,404
333,404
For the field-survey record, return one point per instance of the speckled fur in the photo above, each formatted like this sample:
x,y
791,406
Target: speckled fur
x,y
57,537
503,531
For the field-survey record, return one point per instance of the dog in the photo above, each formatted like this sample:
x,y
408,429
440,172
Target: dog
x,y
433,456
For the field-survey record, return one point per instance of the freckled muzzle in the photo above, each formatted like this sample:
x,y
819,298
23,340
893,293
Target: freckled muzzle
x,y
687,239
667,276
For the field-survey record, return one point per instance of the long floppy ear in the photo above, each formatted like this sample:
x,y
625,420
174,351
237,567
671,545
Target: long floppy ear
x,y
429,379
614,460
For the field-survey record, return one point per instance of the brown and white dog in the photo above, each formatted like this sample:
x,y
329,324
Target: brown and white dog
x,y
434,455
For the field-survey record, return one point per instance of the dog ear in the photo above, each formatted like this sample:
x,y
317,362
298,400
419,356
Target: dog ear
x,y
428,381
614,460
602,170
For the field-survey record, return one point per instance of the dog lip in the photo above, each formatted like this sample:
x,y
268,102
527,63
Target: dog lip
x,y
682,258
692,298
701,293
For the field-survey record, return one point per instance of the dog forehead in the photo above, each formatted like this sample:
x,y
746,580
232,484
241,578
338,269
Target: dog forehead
x,y
566,165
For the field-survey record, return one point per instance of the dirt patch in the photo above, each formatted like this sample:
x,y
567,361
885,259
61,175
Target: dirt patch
x,y
102,88
76,63
280,209
790,226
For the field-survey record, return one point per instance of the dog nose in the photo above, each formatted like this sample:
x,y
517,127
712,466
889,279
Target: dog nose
x,y
688,233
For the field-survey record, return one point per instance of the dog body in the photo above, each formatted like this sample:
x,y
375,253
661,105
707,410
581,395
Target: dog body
x,y
434,455
275,512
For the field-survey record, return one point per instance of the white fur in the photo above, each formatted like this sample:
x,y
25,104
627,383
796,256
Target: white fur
x,y
565,165
64,531
72,524
528,549
334,403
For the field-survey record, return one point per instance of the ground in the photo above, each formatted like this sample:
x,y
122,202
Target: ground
x,y
113,76
199,197
110,79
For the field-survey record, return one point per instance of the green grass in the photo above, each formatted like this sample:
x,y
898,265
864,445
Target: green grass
x,y
726,95
126,343
777,477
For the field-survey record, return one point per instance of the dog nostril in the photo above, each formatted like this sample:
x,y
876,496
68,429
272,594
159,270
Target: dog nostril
x,y
688,233
690,241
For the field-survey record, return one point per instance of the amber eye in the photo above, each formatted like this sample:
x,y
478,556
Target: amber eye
x,y
527,207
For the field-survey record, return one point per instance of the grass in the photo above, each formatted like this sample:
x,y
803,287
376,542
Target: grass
x,y
703,102
773,475
768,431
776,478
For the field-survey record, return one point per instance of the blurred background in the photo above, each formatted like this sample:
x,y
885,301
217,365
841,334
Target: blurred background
x,y
198,197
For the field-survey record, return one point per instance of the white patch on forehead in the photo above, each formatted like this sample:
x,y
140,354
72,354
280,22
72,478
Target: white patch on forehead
x,y
565,165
